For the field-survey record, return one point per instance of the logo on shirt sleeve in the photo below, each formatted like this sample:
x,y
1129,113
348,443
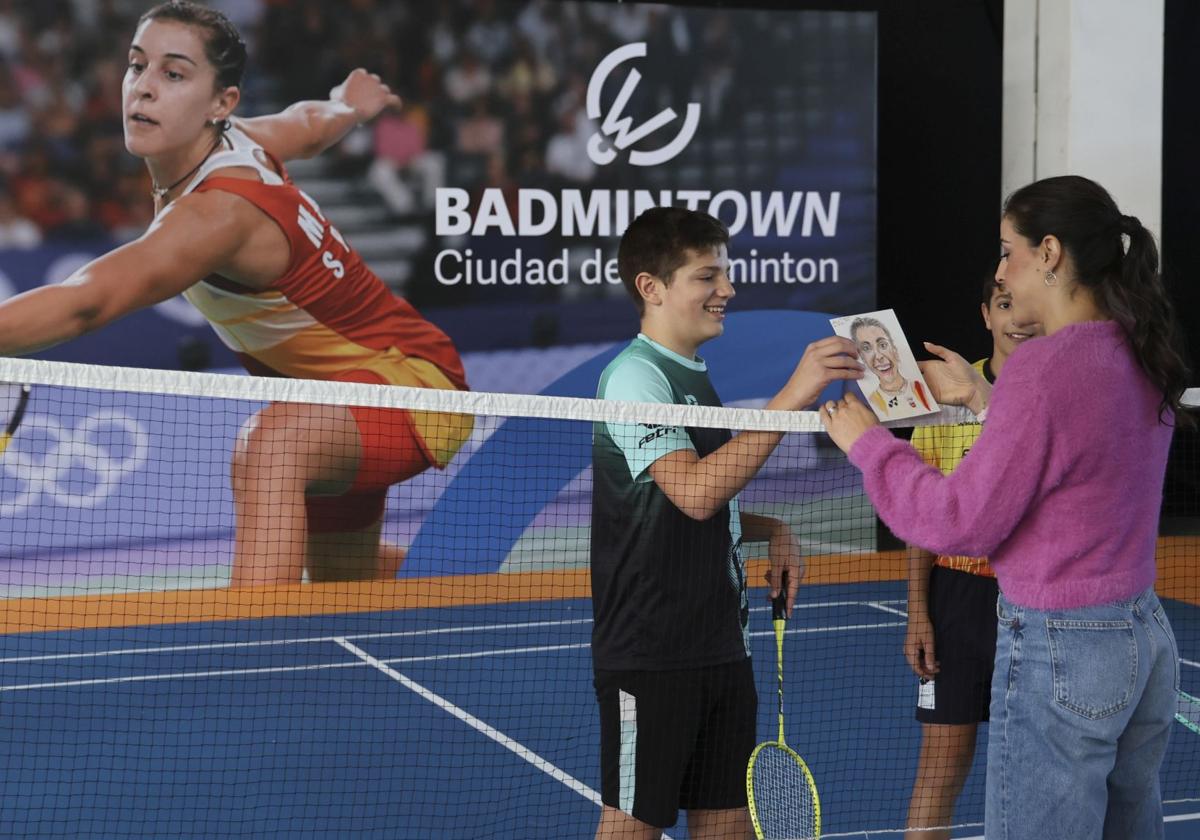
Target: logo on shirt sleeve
x,y
655,433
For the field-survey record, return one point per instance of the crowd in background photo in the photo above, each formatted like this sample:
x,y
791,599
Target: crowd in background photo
x,y
495,91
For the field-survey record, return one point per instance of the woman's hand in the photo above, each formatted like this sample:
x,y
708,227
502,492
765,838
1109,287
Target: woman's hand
x,y
847,420
954,381
365,93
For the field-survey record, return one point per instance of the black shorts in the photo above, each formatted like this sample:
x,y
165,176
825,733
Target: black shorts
x,y
962,609
675,739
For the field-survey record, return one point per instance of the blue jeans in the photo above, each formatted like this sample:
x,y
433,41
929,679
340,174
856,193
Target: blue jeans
x,y
1082,705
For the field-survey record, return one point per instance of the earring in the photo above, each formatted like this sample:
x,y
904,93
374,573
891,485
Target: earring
x,y
1051,278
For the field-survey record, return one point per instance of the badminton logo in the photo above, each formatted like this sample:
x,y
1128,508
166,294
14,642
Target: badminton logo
x,y
73,468
617,131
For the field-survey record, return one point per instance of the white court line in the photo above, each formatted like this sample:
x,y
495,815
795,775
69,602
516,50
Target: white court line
x,y
518,625
869,833
473,722
515,747
882,605
281,669
479,654
471,628
439,657
798,631
820,605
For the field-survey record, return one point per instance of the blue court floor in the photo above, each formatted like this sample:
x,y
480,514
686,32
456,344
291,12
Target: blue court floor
x,y
459,722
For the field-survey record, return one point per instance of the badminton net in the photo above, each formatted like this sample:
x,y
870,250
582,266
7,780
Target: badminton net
x,y
441,685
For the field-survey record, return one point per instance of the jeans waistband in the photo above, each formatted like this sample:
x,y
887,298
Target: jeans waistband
x,y
1145,601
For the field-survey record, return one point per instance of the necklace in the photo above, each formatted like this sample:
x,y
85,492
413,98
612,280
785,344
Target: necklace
x,y
159,193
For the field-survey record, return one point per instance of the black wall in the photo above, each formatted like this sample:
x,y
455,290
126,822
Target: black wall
x,y
1181,167
1181,236
940,74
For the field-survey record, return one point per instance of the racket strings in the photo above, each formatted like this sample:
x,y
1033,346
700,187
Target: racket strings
x,y
784,804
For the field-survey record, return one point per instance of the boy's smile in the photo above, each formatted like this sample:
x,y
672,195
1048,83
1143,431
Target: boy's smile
x,y
690,308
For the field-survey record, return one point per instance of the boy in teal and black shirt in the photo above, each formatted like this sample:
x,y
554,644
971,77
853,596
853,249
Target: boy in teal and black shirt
x,y
669,643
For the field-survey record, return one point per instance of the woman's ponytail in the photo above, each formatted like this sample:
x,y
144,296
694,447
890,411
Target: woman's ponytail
x,y
1125,279
1136,297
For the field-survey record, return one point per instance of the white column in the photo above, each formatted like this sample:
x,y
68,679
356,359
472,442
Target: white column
x,y
1083,96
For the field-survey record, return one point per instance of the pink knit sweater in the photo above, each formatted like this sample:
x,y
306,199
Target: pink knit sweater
x,y
1063,488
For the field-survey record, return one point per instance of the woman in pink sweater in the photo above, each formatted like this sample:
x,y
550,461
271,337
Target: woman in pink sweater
x,y
1062,491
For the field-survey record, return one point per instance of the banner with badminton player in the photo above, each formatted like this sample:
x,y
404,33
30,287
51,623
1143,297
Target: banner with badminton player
x,y
492,200
529,138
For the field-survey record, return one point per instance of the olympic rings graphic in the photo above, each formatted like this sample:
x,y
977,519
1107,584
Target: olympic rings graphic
x,y
75,468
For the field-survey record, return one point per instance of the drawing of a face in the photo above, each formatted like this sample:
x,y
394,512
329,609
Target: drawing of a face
x,y
880,355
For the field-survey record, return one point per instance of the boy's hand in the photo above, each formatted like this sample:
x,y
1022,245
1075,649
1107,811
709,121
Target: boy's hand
x,y
365,94
919,646
823,362
784,553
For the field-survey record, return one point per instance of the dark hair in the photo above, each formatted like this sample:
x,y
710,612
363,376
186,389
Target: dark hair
x,y
1125,282
658,241
989,287
223,44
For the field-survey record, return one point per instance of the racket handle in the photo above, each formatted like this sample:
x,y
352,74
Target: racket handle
x,y
779,602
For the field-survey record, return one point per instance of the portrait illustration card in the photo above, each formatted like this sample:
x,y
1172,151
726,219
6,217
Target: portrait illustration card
x,y
893,385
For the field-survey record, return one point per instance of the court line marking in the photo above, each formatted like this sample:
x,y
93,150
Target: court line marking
x,y
363,658
470,720
403,660
886,832
510,744
796,631
518,625
281,669
881,605
868,833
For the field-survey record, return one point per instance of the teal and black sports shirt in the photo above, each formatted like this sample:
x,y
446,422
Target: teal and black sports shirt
x,y
668,591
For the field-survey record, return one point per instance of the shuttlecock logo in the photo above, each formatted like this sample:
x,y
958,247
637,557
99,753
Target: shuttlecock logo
x,y
617,131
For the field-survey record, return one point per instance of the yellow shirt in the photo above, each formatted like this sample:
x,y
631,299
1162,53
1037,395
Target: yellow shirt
x,y
944,447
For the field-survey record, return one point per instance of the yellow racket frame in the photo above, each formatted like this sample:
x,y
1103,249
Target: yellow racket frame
x,y
808,779
779,620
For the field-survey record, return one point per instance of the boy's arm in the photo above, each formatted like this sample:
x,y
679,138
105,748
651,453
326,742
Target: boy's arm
x,y
701,487
306,129
920,647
